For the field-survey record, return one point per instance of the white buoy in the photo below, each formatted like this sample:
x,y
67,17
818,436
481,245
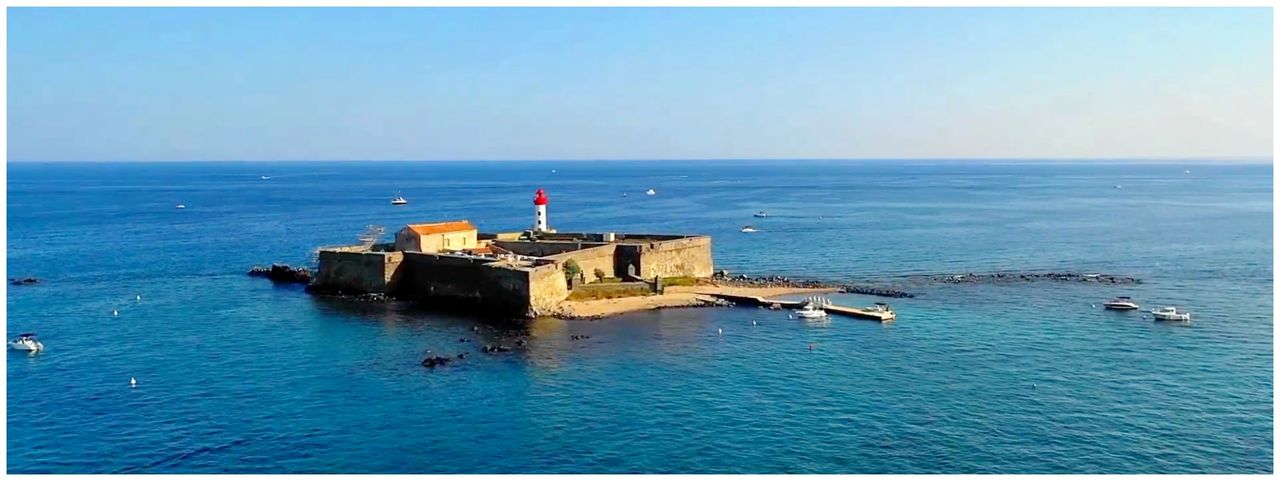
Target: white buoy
x,y
720,331
133,382
1093,305
753,323
115,312
139,297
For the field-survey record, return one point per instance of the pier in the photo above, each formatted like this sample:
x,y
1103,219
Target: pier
x,y
857,312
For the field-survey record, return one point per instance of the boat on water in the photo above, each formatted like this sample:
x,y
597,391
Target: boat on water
x,y
265,177
181,206
1121,303
1170,313
747,228
810,311
761,214
26,342
399,200
812,308
880,308
650,192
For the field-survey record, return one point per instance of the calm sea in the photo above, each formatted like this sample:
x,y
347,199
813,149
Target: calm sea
x,y
237,375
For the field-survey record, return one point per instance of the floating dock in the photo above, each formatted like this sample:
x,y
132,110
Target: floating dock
x,y
858,312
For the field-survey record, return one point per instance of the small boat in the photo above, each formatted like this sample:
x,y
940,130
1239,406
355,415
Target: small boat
x,y
1121,303
399,200
761,214
1118,186
265,177
813,308
1171,314
811,311
181,206
747,228
650,192
26,342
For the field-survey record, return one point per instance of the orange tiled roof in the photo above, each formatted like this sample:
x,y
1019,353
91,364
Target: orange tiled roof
x,y
441,227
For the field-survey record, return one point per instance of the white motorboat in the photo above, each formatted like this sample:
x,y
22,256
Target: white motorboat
x,y
399,200
810,311
761,214
650,192
265,177
26,342
181,206
747,228
1121,303
1171,314
813,308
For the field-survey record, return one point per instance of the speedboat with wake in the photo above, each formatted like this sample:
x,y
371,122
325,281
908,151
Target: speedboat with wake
x,y
748,229
399,200
761,214
26,342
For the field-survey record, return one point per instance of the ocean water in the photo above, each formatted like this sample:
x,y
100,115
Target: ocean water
x,y
237,375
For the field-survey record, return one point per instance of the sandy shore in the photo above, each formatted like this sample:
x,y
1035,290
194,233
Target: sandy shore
x,y
677,296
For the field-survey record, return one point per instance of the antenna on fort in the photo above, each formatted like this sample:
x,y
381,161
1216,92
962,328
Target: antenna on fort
x,y
371,235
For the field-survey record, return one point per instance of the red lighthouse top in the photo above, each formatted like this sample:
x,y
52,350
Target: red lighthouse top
x,y
540,198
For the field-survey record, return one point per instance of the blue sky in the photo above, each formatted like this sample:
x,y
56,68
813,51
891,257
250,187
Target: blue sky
x,y
473,84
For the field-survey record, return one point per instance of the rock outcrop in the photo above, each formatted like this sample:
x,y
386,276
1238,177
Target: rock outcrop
x,y
283,273
24,281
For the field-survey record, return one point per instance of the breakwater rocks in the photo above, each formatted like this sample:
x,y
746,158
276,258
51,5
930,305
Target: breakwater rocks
x,y
742,280
283,273
24,281
1008,277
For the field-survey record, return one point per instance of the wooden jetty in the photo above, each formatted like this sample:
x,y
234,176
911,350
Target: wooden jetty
x,y
858,312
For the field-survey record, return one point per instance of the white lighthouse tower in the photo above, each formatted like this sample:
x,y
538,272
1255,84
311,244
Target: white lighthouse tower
x,y
540,211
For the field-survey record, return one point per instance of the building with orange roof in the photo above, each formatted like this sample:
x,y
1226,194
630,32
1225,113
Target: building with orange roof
x,y
437,237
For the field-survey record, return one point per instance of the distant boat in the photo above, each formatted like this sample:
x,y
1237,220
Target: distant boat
x,y
747,228
624,194
181,206
813,308
1186,171
1171,314
761,214
650,192
265,177
399,200
26,342
1118,186
1120,304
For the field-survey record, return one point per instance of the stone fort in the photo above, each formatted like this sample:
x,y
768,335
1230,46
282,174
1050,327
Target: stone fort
x,y
516,274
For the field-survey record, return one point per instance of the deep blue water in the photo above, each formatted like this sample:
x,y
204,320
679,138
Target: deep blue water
x,y
236,375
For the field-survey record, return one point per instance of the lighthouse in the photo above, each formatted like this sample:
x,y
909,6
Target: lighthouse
x,y
540,211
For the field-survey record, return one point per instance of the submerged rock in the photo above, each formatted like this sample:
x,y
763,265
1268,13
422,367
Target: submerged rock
x,y
283,273
24,281
433,361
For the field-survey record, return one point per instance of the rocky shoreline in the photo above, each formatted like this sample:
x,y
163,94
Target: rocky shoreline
x,y
1008,277
283,273
742,280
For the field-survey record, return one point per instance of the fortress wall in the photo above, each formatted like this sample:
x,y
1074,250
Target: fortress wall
x,y
547,287
358,271
493,286
590,259
543,248
690,256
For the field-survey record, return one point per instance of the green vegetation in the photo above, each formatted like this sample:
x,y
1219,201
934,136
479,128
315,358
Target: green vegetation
x,y
679,281
599,274
571,270
608,291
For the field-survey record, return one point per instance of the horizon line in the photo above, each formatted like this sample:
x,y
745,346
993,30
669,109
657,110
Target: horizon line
x,y
1230,159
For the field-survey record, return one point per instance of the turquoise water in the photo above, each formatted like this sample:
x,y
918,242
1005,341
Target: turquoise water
x,y
237,375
